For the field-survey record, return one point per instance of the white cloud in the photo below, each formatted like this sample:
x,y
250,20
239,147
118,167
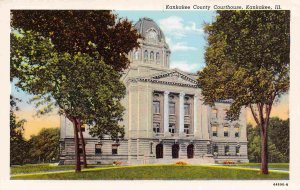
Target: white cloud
x,y
184,66
179,46
176,27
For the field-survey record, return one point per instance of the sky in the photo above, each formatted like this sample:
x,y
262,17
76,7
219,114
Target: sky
x,y
184,34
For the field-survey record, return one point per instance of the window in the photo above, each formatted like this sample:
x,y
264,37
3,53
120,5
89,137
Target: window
x,y
208,149
80,150
114,149
151,56
225,131
237,149
227,149
214,130
186,129
156,107
157,57
156,128
237,131
136,55
145,55
172,128
151,146
98,148
186,109
172,108
215,149
214,113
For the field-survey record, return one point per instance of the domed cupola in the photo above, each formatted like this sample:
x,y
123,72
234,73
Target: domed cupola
x,y
149,30
153,51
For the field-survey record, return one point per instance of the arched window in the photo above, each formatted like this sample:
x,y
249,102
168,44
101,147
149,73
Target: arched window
x,y
175,151
157,58
190,151
151,56
145,55
159,151
136,55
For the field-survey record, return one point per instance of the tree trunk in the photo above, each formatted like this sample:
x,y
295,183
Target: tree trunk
x,y
83,143
76,141
264,149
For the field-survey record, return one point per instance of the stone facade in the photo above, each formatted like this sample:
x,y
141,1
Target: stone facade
x,y
165,118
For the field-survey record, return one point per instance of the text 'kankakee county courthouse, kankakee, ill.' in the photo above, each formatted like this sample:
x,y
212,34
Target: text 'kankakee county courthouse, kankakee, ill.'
x,y
165,119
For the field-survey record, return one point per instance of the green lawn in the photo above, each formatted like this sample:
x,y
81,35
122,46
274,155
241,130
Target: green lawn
x,y
272,166
188,172
36,168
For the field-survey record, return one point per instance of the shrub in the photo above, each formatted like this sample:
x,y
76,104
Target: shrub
x,y
228,162
181,163
117,163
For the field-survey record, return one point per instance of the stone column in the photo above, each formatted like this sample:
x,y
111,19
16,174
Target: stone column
x,y
181,112
166,111
195,114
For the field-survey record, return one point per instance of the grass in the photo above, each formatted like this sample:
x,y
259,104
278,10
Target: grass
x,y
157,172
36,168
272,166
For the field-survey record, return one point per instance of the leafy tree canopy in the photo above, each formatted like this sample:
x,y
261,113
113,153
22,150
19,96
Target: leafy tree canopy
x,y
82,86
247,58
74,31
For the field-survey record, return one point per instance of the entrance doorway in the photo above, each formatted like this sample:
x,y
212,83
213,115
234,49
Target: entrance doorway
x,y
159,151
190,151
175,151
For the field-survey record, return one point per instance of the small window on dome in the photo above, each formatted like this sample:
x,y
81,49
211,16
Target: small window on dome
x,y
151,35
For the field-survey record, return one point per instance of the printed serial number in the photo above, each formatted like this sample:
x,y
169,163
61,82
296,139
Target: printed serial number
x,y
280,184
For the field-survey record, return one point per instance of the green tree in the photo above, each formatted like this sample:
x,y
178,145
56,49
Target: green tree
x,y
18,145
280,136
72,57
278,146
45,145
247,61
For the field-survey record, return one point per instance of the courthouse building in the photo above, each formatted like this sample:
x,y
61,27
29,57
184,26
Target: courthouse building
x,y
165,119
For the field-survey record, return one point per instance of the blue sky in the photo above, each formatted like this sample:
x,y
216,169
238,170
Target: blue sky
x,y
184,34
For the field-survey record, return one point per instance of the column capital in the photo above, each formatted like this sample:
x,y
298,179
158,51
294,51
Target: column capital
x,y
181,94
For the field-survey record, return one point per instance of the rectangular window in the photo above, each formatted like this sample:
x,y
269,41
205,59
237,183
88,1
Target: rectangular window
x,y
237,149
216,149
226,149
214,131
186,109
98,149
156,127
80,150
156,107
114,149
226,131
172,108
172,128
186,129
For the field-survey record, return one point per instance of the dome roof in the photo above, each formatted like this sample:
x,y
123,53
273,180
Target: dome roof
x,y
146,24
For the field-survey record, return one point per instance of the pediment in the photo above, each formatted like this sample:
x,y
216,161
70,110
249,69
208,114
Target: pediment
x,y
173,77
